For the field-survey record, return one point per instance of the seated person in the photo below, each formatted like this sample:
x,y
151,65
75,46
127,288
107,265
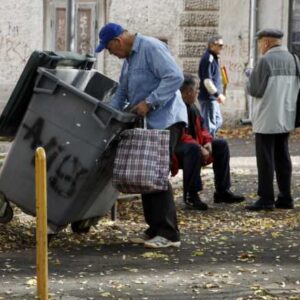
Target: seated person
x,y
198,148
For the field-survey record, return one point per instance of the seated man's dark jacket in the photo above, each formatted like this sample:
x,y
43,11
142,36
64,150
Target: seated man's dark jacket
x,y
194,134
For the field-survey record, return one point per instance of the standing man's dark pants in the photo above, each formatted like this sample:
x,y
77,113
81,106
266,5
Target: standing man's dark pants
x,y
191,160
272,153
159,208
221,157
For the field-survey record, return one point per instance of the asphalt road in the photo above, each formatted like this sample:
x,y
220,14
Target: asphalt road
x,y
226,252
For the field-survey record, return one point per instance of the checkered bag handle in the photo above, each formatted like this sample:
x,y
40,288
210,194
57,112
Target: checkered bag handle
x,y
141,123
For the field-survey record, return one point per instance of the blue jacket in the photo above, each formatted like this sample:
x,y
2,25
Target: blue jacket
x,y
209,69
150,73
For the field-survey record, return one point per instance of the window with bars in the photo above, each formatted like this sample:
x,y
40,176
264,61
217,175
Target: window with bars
x,y
72,25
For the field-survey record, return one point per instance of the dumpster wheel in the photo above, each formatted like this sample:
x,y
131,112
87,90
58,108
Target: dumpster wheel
x,y
80,227
8,215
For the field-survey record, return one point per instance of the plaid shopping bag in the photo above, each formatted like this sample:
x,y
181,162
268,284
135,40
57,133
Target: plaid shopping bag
x,y
142,161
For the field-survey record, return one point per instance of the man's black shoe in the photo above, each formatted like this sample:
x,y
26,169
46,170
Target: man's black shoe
x,y
194,202
228,197
284,203
260,205
196,206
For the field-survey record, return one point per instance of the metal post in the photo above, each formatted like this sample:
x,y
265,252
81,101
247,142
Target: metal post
x,y
71,26
41,223
252,41
252,52
114,212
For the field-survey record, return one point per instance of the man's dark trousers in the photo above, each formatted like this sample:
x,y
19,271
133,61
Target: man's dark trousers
x,y
272,154
191,160
159,208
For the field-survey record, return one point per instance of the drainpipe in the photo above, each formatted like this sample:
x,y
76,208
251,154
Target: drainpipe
x,y
252,54
71,26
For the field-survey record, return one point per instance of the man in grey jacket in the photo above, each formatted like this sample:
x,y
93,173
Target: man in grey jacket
x,y
274,86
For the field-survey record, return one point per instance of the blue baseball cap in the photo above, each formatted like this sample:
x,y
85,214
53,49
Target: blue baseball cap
x,y
107,33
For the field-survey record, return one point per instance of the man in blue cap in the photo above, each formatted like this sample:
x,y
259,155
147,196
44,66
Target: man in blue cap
x,y
150,81
108,33
274,86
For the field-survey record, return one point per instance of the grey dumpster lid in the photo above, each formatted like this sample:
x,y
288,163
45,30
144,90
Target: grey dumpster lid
x,y
18,102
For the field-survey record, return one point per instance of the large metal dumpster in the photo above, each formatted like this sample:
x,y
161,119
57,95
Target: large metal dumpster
x,y
67,116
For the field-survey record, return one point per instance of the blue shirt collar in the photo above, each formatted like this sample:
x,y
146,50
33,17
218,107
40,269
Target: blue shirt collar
x,y
136,43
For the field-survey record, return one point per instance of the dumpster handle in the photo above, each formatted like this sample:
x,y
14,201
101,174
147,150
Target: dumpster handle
x,y
49,90
45,91
103,116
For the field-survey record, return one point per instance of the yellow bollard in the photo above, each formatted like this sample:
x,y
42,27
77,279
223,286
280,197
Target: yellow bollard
x,y
41,223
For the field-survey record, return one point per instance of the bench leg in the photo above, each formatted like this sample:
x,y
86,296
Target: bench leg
x,y
114,212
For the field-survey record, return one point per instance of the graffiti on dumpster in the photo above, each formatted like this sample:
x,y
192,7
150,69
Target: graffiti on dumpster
x,y
35,133
67,174
69,169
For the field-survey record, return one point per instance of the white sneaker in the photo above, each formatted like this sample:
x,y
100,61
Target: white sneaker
x,y
161,242
140,239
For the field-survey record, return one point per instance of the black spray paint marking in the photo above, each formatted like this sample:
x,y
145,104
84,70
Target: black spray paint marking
x,y
69,169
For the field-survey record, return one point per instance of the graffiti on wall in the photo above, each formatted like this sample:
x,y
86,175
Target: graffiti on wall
x,y
14,52
234,57
84,31
61,29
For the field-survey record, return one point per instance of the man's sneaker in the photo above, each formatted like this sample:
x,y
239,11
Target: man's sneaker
x,y
228,197
193,201
161,242
140,239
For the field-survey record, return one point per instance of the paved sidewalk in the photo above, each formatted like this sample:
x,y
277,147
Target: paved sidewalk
x,y
226,252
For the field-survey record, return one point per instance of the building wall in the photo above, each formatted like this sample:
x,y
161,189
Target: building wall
x,y
187,24
235,55
273,14
184,24
198,21
150,17
235,30
21,31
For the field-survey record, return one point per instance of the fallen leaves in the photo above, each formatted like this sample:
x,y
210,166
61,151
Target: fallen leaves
x,y
245,132
211,286
262,293
222,249
236,132
198,253
31,282
245,256
106,294
155,255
